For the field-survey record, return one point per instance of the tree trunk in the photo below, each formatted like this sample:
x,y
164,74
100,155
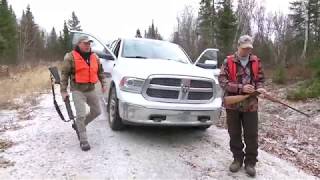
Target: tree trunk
x,y
213,40
306,36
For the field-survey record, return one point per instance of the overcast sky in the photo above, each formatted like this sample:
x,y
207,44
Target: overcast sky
x,y
110,19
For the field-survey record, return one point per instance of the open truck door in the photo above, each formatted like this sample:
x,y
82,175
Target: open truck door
x,y
208,59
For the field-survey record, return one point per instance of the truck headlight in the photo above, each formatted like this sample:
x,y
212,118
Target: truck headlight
x,y
131,84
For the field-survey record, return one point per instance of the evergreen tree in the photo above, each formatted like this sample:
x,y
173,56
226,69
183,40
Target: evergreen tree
x,y
138,34
74,23
314,13
152,32
226,27
52,39
29,36
8,34
305,22
65,40
53,44
298,17
206,24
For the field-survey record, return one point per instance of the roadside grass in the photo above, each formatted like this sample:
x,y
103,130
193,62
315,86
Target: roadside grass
x,y
24,83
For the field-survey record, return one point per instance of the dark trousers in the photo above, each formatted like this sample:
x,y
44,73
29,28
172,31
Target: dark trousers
x,y
248,122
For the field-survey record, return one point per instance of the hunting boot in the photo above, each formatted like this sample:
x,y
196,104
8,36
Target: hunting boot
x,y
74,126
250,170
84,145
235,166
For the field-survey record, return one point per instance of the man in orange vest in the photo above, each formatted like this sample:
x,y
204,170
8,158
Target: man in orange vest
x,y
83,69
242,73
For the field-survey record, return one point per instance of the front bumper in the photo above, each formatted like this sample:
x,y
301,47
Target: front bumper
x,y
137,114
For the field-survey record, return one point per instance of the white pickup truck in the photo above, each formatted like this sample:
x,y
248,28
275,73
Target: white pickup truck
x,y
152,82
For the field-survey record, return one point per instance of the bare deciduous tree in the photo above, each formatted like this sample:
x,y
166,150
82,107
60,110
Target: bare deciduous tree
x,y
185,34
306,34
280,24
244,15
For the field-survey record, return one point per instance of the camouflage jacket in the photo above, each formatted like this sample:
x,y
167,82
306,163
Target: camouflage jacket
x,y
68,74
235,88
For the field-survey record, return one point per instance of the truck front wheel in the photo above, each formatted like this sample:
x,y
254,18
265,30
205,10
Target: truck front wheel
x,y
202,128
115,121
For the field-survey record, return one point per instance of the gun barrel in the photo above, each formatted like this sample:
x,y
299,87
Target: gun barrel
x,y
69,109
280,102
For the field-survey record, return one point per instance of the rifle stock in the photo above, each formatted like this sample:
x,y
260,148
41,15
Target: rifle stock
x,y
234,99
55,74
238,98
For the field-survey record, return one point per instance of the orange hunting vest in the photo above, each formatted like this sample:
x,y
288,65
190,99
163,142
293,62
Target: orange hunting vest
x,y
233,67
85,73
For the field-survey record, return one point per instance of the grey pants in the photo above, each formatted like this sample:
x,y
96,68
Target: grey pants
x,y
80,100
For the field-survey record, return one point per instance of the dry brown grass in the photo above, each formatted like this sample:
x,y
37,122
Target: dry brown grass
x,y
24,82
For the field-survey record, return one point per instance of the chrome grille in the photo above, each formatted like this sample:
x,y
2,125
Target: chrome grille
x,y
158,93
166,81
179,89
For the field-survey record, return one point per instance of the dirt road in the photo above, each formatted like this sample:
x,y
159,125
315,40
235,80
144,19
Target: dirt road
x,y
47,148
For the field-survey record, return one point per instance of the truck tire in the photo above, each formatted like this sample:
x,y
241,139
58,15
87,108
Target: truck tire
x,y
202,128
115,121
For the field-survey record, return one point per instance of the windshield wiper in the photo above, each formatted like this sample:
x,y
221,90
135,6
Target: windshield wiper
x,y
139,57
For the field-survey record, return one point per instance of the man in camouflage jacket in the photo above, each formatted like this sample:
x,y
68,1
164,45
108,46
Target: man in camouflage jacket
x,y
82,68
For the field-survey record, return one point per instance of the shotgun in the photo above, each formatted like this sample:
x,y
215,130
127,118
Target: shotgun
x,y
55,79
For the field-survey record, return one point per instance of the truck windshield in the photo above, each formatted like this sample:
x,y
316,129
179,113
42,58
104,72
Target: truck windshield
x,y
153,49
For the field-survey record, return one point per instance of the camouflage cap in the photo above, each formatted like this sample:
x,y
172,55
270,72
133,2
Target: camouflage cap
x,y
245,41
83,38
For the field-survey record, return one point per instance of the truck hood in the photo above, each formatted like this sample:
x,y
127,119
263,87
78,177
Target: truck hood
x,y
143,68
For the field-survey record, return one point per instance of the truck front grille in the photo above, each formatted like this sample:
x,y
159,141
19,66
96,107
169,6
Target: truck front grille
x,y
179,89
158,93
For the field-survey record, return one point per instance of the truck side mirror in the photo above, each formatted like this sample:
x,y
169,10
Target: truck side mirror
x,y
208,64
212,62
